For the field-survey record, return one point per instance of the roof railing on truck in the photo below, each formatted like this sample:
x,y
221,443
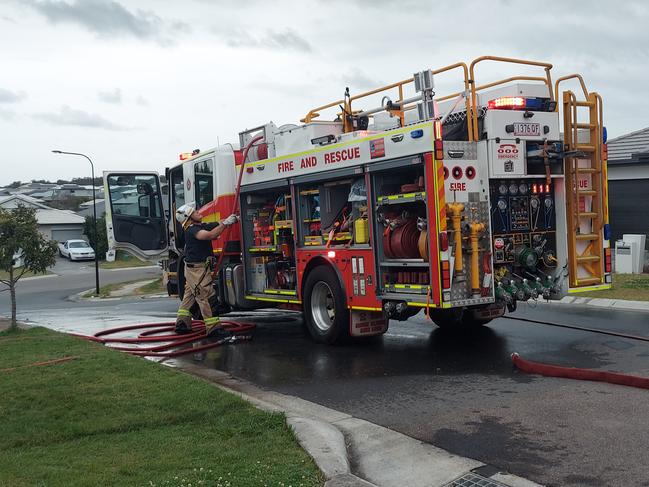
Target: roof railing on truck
x,y
401,105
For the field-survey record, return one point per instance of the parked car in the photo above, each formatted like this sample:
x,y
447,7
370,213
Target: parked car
x,y
76,250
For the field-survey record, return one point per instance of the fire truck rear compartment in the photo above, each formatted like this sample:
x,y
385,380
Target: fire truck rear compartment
x,y
401,233
269,244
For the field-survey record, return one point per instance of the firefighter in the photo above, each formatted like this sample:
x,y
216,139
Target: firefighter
x,y
198,268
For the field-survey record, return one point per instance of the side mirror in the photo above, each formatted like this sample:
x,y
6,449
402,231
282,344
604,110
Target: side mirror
x,y
144,189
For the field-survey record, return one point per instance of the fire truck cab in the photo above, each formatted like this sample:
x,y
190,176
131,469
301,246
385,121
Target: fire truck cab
x,y
461,205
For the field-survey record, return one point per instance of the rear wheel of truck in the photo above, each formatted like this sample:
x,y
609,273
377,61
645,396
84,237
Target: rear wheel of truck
x,y
447,319
455,318
325,308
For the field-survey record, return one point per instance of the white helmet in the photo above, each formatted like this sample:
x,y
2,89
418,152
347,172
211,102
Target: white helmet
x,y
184,212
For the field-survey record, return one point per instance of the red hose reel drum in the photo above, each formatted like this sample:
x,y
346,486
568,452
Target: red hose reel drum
x,y
403,241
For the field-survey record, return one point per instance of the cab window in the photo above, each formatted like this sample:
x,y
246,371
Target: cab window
x,y
204,182
134,195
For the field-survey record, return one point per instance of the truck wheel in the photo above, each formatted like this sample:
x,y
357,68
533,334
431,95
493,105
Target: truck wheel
x,y
447,319
325,307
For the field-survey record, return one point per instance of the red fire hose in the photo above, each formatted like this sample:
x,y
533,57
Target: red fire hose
x,y
163,333
579,374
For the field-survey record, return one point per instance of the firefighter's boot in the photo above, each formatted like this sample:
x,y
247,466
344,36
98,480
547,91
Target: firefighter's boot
x,y
183,322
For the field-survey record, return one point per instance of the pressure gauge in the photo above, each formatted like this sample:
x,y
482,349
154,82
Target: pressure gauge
x,y
522,188
502,189
534,203
548,202
502,204
513,188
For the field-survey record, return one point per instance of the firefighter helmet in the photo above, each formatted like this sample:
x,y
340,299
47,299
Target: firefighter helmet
x,y
184,213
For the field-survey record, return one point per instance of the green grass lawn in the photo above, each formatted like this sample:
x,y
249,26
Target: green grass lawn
x,y
107,418
625,286
154,287
105,290
122,259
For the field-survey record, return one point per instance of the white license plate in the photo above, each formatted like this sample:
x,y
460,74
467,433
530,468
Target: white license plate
x,y
530,129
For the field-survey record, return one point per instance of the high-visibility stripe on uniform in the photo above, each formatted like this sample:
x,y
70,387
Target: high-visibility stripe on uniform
x,y
212,321
184,312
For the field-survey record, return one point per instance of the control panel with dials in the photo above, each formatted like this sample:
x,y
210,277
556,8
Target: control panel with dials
x,y
523,221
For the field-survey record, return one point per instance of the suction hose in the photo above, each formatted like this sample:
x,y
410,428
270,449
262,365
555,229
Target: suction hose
x,y
579,374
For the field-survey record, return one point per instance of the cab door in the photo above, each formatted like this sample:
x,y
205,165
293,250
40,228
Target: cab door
x,y
135,217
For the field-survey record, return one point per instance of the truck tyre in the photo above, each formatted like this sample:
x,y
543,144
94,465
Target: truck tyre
x,y
447,319
325,306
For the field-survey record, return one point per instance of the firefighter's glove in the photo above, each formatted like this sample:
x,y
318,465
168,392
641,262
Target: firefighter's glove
x,y
231,220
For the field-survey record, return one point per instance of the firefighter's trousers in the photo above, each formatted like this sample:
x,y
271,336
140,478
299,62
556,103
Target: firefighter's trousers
x,y
198,289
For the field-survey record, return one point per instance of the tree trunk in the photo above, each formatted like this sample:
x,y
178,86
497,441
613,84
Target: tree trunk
x,y
12,292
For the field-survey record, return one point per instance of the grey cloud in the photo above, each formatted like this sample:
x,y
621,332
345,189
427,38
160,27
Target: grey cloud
x,y
114,97
104,18
72,117
355,78
287,40
7,115
7,96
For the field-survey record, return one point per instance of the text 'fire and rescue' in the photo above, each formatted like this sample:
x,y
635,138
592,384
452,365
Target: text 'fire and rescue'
x,y
329,158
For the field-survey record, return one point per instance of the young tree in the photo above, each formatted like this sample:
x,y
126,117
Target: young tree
x,y
20,238
100,245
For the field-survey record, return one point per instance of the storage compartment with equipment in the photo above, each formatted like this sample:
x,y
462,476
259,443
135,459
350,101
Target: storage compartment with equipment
x,y
269,245
399,198
333,213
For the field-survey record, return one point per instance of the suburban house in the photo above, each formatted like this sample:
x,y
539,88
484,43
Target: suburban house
x,y
628,183
86,208
59,225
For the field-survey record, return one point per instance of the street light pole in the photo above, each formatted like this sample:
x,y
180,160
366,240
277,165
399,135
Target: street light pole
x,y
94,207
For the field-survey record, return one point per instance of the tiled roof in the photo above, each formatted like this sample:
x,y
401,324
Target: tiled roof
x,y
5,201
631,148
58,217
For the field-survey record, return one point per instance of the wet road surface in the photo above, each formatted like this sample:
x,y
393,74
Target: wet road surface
x,y
457,391
460,392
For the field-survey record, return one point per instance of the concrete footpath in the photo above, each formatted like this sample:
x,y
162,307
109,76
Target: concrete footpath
x,y
354,452
623,304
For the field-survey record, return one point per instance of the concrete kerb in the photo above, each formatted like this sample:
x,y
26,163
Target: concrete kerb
x,y
621,304
81,295
346,448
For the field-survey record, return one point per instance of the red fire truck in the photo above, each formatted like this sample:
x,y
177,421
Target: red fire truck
x,y
461,205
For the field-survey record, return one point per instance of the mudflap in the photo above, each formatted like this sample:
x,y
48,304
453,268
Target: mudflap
x,y
489,312
367,323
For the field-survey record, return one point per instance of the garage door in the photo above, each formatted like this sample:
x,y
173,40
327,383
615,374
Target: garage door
x,y
627,203
61,235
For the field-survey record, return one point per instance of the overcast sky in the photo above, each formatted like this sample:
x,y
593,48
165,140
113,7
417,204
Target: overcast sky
x,y
134,83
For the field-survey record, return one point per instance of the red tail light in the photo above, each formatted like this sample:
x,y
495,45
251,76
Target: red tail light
x,y
443,241
446,275
439,149
607,260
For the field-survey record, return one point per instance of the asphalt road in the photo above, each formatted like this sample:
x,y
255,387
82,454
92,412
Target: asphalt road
x,y
68,278
456,391
461,393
